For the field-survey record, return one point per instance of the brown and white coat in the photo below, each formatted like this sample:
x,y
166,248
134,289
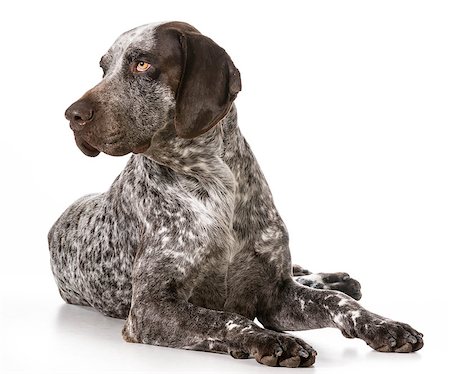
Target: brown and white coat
x,y
187,244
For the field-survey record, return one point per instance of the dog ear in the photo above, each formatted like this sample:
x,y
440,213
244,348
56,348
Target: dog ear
x,y
209,83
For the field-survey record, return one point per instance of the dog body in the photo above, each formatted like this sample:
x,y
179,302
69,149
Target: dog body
x,y
165,209
187,244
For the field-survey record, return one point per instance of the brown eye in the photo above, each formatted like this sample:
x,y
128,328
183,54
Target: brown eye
x,y
142,66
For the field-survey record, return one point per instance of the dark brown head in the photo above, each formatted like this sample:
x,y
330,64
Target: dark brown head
x,y
154,75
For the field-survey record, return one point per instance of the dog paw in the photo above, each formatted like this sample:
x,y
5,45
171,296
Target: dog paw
x,y
385,335
342,282
276,349
333,281
298,271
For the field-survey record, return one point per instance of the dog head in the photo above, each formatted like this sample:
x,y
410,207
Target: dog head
x,y
154,76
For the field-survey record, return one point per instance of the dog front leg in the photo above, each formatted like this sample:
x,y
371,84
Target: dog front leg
x,y
161,315
298,307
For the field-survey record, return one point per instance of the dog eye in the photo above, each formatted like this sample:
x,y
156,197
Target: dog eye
x,y
141,66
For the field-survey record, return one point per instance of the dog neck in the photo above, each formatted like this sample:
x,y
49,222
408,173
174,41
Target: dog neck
x,y
186,155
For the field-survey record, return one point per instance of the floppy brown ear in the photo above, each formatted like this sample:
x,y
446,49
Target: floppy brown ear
x,y
209,83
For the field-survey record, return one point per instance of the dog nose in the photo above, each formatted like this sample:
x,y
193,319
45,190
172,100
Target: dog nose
x,y
79,114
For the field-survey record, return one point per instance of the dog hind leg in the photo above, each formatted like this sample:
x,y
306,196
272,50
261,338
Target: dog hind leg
x,y
328,281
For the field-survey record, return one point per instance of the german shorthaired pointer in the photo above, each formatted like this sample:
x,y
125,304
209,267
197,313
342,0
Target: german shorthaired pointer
x,y
187,244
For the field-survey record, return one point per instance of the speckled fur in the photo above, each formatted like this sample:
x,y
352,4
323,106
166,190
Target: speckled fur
x,y
187,244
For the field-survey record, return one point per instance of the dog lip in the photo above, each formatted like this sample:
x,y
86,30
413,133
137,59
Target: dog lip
x,y
86,148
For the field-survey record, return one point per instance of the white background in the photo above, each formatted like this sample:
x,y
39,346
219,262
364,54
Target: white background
x,y
346,106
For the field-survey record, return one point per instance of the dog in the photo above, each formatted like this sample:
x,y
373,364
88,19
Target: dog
x,y
187,245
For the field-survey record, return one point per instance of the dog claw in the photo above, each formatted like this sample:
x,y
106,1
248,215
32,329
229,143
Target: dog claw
x,y
303,353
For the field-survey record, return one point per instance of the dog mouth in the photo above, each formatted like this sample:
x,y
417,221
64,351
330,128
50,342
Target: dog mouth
x,y
86,148
112,147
